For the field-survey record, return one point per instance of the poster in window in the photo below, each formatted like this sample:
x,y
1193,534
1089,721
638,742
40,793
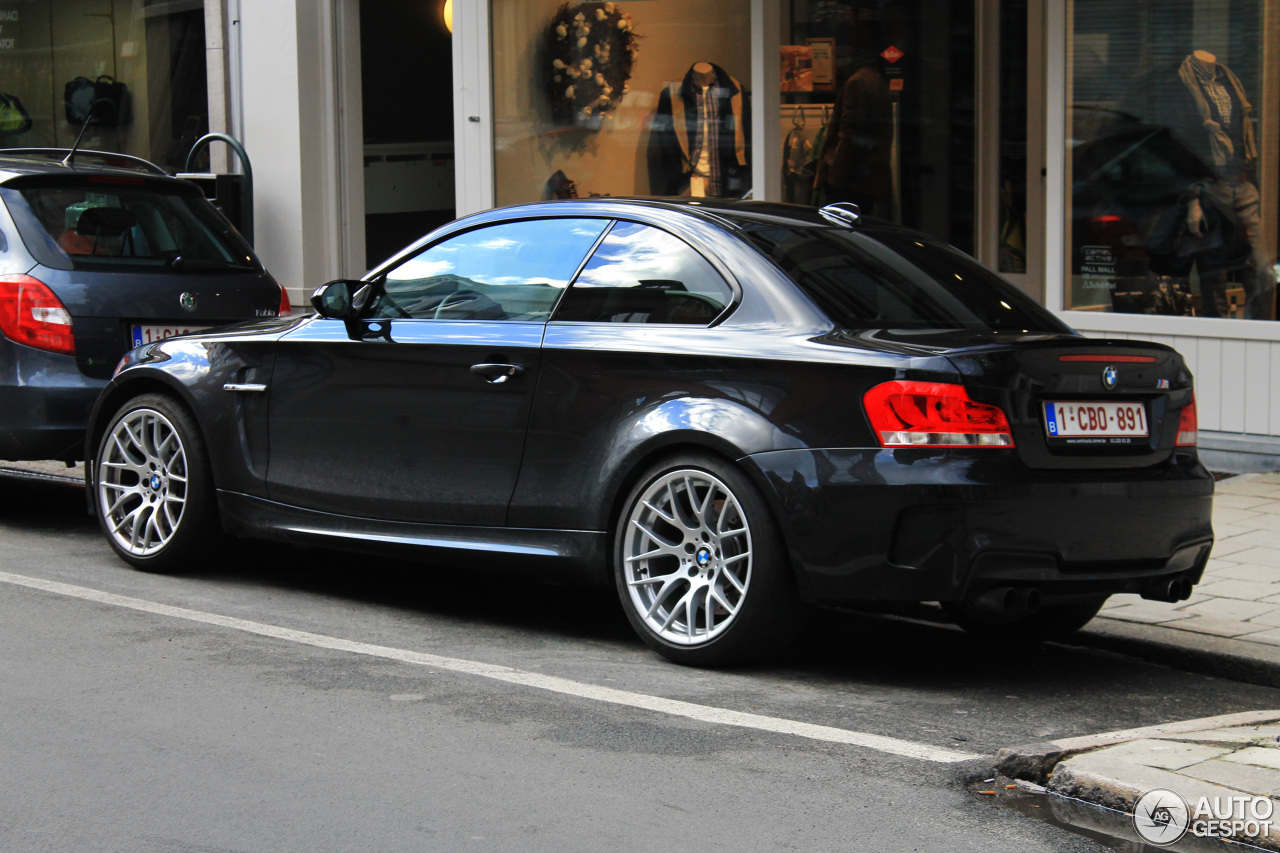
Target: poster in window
x,y
824,63
797,68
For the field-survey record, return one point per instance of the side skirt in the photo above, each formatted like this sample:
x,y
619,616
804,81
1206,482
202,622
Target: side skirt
x,y
569,556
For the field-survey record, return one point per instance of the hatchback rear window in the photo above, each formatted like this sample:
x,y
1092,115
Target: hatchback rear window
x,y
136,227
897,280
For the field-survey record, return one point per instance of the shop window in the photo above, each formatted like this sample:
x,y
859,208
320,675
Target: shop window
x,y
878,109
1172,199
625,98
139,67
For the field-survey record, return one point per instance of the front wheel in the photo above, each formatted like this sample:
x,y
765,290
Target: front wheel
x,y
154,490
701,568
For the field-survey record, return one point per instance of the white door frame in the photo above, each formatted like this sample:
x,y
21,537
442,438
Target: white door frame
x,y
473,131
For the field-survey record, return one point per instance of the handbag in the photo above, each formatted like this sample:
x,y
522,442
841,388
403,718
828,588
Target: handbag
x,y
107,99
14,117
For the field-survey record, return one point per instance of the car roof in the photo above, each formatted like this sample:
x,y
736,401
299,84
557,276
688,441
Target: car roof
x,y
15,162
731,213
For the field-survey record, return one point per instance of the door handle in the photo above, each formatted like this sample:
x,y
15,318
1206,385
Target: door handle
x,y
496,374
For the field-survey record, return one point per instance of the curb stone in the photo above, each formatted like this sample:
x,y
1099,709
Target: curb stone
x,y
1239,752
1034,762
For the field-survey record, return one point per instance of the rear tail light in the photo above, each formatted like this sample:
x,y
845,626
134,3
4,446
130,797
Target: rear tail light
x,y
285,308
1188,425
933,414
30,314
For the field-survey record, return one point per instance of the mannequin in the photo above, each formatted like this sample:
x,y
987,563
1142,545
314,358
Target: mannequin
x,y
1206,108
700,131
853,164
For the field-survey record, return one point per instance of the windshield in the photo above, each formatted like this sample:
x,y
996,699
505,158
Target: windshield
x,y
897,280
125,224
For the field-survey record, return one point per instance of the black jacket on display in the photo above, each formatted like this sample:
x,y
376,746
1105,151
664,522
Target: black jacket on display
x,y
675,135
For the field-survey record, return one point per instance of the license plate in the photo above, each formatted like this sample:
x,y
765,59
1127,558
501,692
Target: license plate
x,y
1095,420
151,333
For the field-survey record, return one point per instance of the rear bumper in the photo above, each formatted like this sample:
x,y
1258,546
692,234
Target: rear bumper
x,y
44,404
913,525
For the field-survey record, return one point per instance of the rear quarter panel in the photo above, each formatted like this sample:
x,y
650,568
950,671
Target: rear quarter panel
x,y
611,398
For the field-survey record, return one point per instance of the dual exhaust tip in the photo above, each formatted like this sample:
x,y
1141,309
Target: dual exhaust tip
x,y
1009,601
1178,589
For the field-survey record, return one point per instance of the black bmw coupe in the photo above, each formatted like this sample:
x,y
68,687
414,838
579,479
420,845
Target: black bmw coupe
x,y
728,410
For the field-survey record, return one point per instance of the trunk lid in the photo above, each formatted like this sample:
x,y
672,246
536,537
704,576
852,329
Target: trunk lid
x,y
1076,402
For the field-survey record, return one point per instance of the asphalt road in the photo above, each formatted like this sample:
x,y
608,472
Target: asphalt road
x,y
125,726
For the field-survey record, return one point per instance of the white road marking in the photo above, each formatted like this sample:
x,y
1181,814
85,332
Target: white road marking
x,y
673,707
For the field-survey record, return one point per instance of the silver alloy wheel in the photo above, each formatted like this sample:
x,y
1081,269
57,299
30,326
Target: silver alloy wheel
x,y
687,557
142,482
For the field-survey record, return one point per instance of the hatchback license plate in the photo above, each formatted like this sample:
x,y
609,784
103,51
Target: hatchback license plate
x,y
1095,420
151,333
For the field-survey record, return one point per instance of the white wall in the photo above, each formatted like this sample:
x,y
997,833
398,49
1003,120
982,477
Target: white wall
x,y
297,58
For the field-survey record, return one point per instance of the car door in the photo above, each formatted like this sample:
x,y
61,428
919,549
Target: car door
x,y
423,418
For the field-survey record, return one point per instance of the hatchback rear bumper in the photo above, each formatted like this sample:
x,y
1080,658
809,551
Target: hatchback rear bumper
x,y
44,404
917,525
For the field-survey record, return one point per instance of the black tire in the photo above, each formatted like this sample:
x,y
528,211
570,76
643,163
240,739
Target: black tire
x,y
749,611
1053,622
153,488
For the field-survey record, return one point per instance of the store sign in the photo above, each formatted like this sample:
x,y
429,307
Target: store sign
x,y
1098,267
8,16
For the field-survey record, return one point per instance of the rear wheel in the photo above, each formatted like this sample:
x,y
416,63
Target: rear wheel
x,y
701,568
155,499
1052,622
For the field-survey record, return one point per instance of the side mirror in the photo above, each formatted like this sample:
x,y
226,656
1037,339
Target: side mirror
x,y
333,300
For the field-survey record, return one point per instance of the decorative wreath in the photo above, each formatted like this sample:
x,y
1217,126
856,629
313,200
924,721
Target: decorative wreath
x,y
590,48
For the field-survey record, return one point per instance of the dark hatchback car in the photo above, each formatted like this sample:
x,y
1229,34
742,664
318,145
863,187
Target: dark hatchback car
x,y
727,410
97,256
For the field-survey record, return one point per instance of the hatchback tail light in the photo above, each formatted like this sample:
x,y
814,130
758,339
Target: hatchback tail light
x,y
285,308
1188,425
933,414
32,315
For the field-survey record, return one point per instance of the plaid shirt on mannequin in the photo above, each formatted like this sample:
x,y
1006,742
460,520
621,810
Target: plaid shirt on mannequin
x,y
1209,77
707,137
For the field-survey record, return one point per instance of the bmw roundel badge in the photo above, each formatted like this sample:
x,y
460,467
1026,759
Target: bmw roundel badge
x,y
187,301
1109,377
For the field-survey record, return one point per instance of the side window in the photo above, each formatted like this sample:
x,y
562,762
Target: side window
x,y
642,275
514,271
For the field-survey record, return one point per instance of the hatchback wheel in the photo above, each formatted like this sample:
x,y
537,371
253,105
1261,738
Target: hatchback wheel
x,y
155,498
700,566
